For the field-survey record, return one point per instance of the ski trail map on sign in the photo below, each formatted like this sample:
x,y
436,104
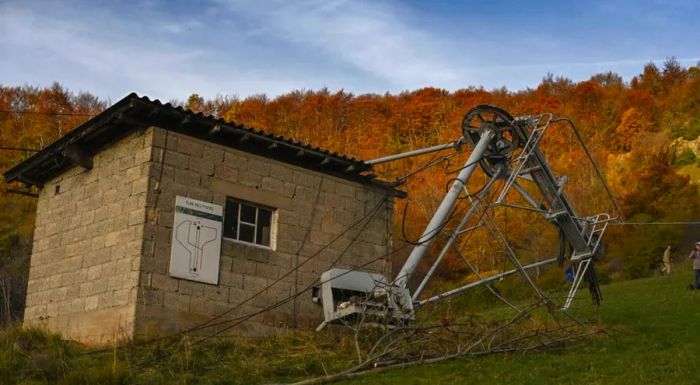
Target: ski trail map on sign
x,y
196,242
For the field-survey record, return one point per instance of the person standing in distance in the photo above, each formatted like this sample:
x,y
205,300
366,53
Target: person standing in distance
x,y
666,269
695,256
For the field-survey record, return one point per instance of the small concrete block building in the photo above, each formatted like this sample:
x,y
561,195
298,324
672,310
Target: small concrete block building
x,y
103,255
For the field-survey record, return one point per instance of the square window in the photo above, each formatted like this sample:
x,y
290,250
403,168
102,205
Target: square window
x,y
247,222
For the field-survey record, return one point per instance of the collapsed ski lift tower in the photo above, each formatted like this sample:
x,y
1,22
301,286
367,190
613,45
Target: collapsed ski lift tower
x,y
505,148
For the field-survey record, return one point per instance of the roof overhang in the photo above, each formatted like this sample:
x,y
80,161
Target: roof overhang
x,y
137,113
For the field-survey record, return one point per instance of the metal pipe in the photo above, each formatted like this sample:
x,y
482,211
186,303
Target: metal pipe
x,y
578,278
526,195
456,233
498,235
526,208
472,228
408,154
481,282
437,222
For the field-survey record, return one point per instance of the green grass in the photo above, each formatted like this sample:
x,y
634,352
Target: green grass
x,y
29,356
653,326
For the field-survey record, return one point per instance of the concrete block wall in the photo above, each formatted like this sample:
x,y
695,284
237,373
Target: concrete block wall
x,y
99,266
312,210
85,263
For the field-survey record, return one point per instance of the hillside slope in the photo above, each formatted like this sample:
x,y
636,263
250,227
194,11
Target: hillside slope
x,y
654,327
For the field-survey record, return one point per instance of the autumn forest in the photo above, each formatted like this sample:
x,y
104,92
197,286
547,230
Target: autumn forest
x,y
643,134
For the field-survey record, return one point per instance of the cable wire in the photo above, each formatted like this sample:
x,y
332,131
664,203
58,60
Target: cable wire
x,y
295,268
433,233
209,323
432,162
238,320
623,223
619,213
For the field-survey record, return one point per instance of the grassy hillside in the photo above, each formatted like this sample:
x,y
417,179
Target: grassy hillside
x,y
654,338
654,326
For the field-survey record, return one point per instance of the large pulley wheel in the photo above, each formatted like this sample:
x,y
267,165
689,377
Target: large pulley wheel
x,y
505,140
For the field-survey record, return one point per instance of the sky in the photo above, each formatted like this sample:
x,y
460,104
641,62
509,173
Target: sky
x,y
171,49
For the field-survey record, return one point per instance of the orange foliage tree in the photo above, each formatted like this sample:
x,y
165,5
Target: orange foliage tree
x,y
622,122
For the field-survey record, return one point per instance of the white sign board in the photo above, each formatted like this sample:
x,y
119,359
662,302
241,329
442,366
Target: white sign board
x,y
196,243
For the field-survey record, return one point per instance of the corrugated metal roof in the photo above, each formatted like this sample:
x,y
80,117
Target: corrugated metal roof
x,y
134,113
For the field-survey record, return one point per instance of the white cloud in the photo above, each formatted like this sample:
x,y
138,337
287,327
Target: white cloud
x,y
243,47
114,57
368,36
69,50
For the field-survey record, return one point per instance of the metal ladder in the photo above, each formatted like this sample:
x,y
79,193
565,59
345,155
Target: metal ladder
x,y
531,144
597,227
